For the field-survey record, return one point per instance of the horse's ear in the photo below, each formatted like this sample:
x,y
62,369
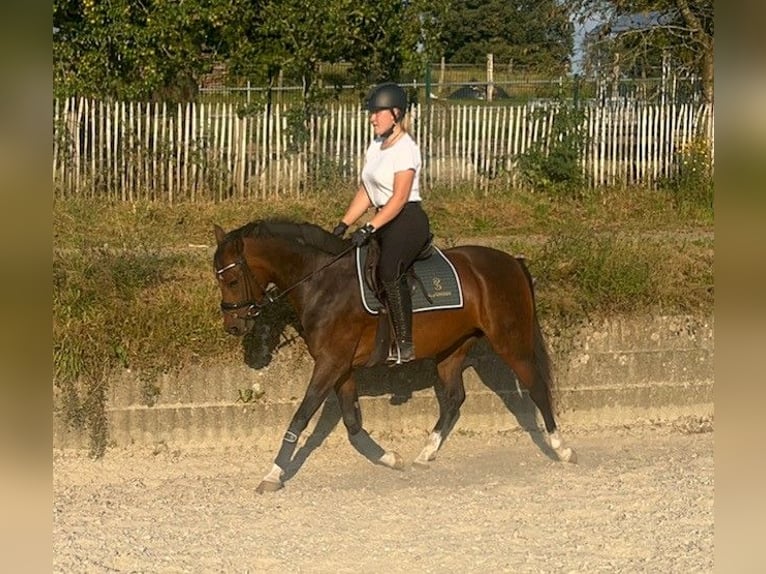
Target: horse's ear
x,y
219,233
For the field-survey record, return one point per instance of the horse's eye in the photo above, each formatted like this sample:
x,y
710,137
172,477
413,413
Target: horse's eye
x,y
234,283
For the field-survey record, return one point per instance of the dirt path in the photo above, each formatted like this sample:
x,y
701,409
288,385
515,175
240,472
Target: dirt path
x,y
640,500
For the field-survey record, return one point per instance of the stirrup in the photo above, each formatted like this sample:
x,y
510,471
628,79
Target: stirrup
x,y
395,356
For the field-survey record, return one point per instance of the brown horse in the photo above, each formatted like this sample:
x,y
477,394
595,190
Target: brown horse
x,y
315,271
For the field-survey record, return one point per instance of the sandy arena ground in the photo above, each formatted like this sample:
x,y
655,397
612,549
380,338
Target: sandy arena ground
x,y
640,500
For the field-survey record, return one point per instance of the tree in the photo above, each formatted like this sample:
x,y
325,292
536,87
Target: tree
x,y
394,40
643,32
527,35
133,50
159,49
383,40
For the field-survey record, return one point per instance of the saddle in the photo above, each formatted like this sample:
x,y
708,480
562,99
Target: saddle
x,y
370,272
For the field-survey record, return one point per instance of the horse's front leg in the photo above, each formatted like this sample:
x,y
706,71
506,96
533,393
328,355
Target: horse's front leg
x,y
348,397
322,381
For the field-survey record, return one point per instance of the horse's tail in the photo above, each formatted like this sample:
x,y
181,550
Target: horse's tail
x,y
542,357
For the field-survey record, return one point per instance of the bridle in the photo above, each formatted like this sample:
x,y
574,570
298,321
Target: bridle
x,y
252,307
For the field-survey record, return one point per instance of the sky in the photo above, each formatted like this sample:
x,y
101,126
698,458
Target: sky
x,y
579,37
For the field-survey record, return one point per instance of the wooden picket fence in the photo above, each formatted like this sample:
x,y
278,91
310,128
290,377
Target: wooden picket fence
x,y
136,151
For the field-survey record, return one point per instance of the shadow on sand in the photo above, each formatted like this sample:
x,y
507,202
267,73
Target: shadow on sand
x,y
399,384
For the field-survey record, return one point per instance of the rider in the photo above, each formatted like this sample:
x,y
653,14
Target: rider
x,y
390,184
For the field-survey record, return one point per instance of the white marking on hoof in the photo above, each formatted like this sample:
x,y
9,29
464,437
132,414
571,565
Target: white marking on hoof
x,y
564,454
429,450
392,460
567,455
272,481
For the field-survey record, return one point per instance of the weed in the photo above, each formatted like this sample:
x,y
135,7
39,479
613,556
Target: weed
x,y
692,185
552,165
148,310
583,273
133,286
150,392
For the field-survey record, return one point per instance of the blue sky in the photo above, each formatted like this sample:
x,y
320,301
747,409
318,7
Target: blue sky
x,y
579,37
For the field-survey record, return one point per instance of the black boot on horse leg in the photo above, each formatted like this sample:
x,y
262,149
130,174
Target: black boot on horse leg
x,y
399,302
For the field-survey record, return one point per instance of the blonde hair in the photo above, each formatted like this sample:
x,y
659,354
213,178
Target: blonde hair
x,y
405,124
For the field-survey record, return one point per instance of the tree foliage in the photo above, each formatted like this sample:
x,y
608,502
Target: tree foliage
x,y
639,34
294,37
134,50
384,40
160,49
525,35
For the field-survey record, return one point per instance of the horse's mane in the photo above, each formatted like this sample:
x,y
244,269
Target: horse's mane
x,y
302,233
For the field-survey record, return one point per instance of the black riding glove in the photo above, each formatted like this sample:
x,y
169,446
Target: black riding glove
x,y
340,229
362,235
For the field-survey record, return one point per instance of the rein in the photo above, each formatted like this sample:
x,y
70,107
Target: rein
x,y
254,308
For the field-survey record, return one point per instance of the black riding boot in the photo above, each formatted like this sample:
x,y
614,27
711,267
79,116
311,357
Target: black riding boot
x,y
399,303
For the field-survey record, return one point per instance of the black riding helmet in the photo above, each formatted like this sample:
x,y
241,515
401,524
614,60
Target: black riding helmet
x,y
388,96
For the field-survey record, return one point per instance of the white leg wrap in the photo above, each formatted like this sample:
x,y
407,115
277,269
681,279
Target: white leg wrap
x,y
275,475
430,449
389,459
564,454
555,440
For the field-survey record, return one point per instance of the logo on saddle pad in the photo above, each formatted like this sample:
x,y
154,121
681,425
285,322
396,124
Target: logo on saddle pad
x,y
435,274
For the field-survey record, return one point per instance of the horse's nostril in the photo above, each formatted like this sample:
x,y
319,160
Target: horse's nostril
x,y
233,330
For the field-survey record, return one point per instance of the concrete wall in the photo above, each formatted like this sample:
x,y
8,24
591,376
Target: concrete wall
x,y
620,371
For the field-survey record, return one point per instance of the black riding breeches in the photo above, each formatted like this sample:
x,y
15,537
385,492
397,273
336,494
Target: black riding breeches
x,y
401,240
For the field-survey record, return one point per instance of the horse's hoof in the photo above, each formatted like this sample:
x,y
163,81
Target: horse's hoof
x,y
269,486
398,462
424,459
567,455
392,460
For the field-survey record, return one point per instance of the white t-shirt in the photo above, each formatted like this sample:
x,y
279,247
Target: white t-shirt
x,y
380,165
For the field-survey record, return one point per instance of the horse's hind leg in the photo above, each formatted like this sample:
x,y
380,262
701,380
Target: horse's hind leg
x,y
450,372
535,377
348,397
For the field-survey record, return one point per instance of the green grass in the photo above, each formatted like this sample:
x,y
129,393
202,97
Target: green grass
x,y
134,288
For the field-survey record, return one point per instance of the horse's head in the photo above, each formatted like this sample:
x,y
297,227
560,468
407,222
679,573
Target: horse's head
x,y
242,295
251,260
